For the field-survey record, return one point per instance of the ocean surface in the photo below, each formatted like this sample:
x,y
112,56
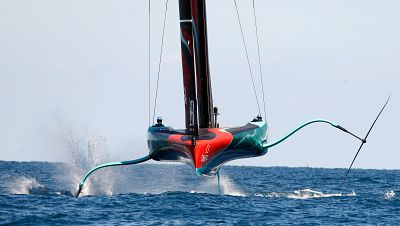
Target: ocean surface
x,y
41,193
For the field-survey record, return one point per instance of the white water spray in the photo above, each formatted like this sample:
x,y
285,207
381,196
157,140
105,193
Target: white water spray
x,y
390,194
304,194
228,187
24,185
81,151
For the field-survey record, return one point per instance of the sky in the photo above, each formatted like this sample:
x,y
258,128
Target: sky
x,y
76,72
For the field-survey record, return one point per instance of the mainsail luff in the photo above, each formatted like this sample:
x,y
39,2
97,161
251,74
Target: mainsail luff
x,y
204,94
189,76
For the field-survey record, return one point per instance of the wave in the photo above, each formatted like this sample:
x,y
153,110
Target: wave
x,y
24,186
30,186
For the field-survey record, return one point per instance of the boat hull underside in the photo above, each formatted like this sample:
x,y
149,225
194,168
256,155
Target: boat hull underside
x,y
211,149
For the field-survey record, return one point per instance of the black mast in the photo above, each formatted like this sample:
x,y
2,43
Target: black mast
x,y
204,94
196,73
189,76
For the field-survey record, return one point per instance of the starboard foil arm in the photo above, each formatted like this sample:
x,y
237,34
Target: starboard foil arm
x,y
271,144
363,140
128,162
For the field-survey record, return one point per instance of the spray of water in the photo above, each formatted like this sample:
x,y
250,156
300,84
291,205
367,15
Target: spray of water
x,y
228,187
24,185
82,150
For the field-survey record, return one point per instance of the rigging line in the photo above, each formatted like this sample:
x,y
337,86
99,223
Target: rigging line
x,y
159,62
247,57
149,70
259,60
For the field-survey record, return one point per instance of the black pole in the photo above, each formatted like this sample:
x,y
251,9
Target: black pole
x,y
204,94
189,76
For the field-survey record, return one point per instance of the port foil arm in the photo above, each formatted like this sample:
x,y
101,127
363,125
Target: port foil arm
x,y
128,162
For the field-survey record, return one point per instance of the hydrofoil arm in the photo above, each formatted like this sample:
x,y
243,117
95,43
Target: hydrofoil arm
x,y
129,162
271,144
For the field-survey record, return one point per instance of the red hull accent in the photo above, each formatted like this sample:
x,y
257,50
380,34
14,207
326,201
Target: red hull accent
x,y
204,149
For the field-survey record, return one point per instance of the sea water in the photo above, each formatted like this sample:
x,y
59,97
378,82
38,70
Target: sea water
x,y
41,193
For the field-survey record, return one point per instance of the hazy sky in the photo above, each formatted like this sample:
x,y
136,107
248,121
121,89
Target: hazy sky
x,y
74,71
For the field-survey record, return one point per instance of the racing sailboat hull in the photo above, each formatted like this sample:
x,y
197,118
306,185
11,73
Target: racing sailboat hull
x,y
208,151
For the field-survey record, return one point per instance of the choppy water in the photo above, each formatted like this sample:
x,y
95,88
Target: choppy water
x,y
41,193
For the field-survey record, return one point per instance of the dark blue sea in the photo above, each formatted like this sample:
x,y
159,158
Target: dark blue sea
x,y
41,193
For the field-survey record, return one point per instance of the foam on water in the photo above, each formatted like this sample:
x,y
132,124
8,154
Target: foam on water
x,y
303,194
390,194
309,194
